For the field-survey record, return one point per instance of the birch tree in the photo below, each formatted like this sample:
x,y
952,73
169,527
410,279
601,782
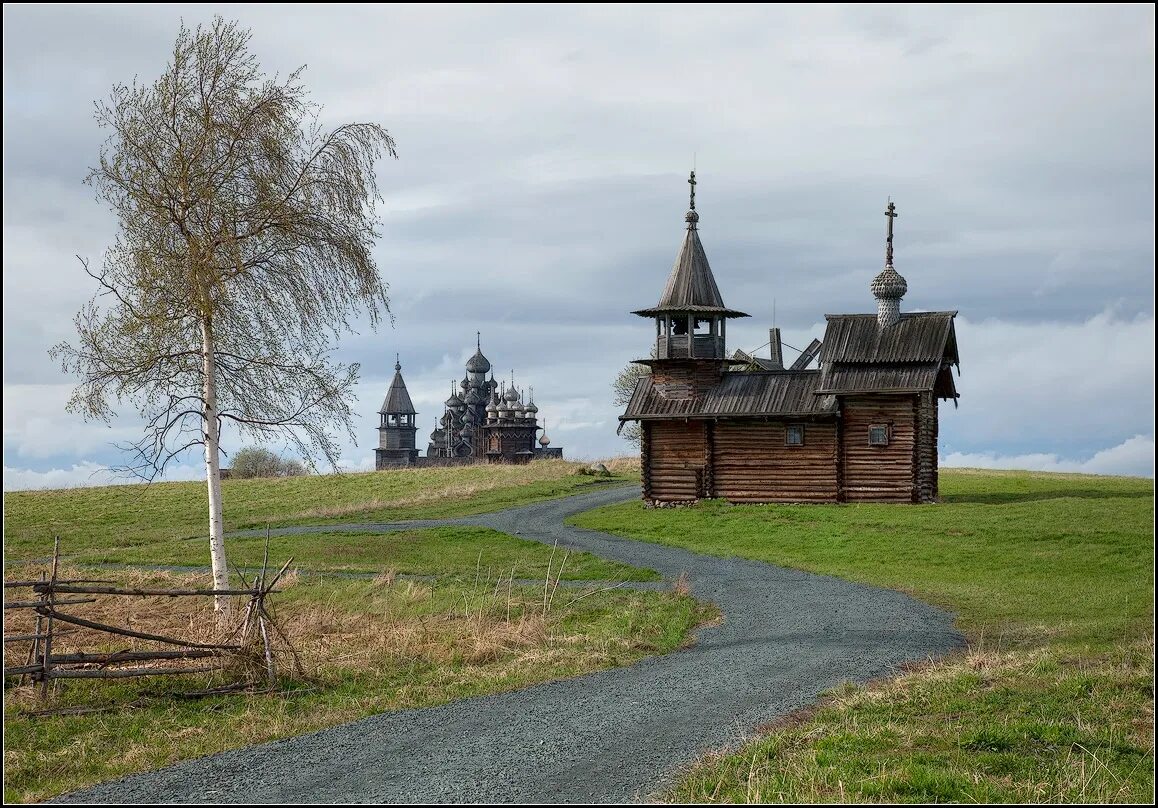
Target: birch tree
x,y
243,251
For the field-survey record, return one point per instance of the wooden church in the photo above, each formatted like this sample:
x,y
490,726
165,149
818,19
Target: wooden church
x,y
861,427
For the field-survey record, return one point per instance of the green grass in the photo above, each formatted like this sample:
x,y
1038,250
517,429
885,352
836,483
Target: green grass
x,y
456,551
136,515
1052,580
368,646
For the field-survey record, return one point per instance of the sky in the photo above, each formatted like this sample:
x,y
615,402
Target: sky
x,y
542,180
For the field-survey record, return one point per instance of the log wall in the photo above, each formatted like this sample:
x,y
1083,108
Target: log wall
x,y
879,473
684,379
750,463
927,448
675,460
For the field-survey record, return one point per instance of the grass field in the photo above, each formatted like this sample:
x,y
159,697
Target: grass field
x,y
112,518
1052,580
425,551
465,628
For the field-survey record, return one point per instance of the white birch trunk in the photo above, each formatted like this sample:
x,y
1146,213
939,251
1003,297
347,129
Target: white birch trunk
x,y
213,473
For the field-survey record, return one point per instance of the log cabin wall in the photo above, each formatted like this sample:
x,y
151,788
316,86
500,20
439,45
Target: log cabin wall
x,y
675,460
676,379
879,473
927,448
751,463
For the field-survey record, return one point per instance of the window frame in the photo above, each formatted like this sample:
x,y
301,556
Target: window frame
x,y
788,431
887,435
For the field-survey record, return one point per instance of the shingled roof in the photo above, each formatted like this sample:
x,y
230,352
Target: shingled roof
x,y
397,400
747,394
912,355
691,287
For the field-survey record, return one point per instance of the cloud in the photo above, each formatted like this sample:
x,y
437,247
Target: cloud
x,y
541,188
85,474
1132,457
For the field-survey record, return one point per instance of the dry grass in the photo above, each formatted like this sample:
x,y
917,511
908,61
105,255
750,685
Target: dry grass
x,y
628,465
365,645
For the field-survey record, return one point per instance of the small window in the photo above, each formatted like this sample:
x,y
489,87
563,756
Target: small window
x,y
878,435
794,435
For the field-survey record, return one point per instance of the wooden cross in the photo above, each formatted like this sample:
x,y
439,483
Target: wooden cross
x,y
692,182
892,214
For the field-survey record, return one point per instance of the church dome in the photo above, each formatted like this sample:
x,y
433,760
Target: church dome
x,y
889,284
511,396
464,384
532,409
474,396
478,363
454,401
544,441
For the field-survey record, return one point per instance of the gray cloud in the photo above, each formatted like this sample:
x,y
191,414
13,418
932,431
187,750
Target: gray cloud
x,y
540,192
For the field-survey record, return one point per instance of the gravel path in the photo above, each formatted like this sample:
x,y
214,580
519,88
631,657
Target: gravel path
x,y
613,736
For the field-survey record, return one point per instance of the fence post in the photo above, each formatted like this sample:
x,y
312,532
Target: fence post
x,y
49,596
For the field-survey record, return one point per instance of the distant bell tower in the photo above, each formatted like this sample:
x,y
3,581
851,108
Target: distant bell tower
x,y
396,427
690,320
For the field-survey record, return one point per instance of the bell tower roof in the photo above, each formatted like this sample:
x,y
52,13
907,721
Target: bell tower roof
x,y
397,401
691,287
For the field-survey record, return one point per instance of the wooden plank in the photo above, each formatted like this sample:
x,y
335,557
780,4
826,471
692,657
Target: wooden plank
x,y
67,618
122,673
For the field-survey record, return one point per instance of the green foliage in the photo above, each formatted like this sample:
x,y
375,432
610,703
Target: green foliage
x,y
255,461
1051,577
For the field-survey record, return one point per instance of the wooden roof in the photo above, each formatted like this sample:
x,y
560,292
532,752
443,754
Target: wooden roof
x,y
911,356
691,287
918,337
745,394
397,400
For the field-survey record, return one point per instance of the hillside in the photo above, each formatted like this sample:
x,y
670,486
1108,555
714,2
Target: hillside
x,y
1052,579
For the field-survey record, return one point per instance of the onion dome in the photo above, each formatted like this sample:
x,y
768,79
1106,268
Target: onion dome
x,y
492,407
544,441
454,402
464,384
889,284
532,410
478,363
474,396
511,396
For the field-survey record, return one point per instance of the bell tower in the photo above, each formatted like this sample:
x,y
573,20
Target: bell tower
x,y
396,427
690,320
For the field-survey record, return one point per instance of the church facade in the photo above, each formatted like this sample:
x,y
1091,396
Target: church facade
x,y
482,421
861,426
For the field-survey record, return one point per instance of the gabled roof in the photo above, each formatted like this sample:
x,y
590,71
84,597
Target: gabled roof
x,y
397,400
923,336
691,287
746,394
910,356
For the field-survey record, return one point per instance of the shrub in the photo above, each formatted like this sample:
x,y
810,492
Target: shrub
x,y
254,461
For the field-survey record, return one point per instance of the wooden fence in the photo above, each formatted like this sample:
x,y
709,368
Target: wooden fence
x,y
49,594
